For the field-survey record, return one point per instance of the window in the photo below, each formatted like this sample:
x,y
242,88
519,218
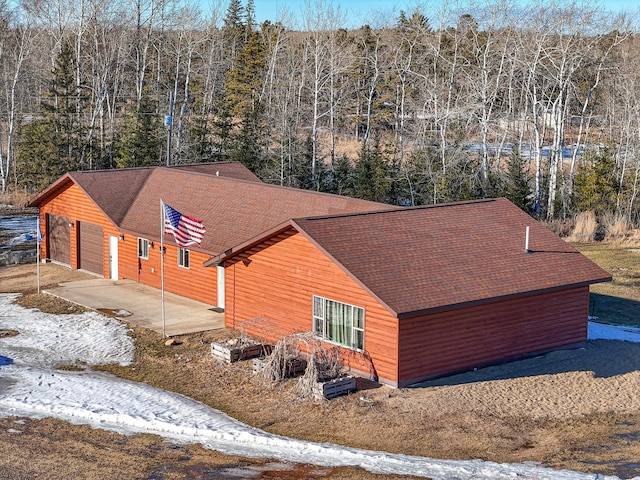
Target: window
x,y
338,322
183,257
143,248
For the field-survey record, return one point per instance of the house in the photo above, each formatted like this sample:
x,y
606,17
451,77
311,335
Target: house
x,y
109,222
407,294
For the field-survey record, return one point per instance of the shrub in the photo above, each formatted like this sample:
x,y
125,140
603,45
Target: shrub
x,y
585,229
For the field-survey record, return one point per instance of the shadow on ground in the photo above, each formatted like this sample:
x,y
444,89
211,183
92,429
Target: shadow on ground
x,y
614,310
605,358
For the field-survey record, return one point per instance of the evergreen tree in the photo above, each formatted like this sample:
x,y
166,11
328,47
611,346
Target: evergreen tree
x,y
248,141
53,144
233,18
596,185
341,179
242,107
200,148
140,145
371,181
250,18
38,162
301,172
234,29
245,79
516,186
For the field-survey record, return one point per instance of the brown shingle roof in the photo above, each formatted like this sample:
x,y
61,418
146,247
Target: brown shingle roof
x,y
231,210
114,191
425,258
225,169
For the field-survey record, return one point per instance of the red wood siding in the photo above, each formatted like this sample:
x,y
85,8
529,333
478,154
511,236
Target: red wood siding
x,y
196,282
72,203
449,341
277,283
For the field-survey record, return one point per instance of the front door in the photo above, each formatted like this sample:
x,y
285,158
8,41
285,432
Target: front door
x,y
113,258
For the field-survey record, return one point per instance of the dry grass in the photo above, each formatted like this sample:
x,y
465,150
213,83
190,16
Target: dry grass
x,y
585,229
18,200
615,225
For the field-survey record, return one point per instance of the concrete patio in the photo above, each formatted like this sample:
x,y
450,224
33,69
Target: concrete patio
x,y
142,305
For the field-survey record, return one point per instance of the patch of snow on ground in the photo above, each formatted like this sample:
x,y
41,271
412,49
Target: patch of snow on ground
x,y
51,341
613,332
31,387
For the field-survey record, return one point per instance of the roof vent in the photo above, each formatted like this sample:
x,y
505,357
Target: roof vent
x,y
526,241
217,173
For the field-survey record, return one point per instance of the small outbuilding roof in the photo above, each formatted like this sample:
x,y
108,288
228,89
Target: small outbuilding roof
x,y
415,260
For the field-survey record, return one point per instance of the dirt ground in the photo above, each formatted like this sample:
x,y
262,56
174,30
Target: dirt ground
x,y
577,409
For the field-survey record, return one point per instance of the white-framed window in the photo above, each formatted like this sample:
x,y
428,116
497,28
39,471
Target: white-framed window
x,y
183,257
143,248
338,322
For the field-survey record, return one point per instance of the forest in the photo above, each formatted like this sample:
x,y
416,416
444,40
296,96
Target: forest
x,y
539,103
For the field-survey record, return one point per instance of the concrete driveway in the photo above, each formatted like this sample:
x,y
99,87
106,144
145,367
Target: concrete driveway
x,y
142,305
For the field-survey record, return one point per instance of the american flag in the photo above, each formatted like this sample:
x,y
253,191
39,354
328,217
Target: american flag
x,y
186,230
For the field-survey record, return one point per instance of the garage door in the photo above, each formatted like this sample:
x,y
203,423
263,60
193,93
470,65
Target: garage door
x,y
91,248
59,240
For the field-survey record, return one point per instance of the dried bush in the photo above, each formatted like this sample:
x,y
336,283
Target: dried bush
x,y
279,364
322,362
586,227
616,226
18,199
561,227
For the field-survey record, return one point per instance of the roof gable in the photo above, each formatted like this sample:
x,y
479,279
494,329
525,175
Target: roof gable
x,y
112,191
419,259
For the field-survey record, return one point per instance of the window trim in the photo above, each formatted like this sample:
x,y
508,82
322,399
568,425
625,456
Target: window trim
x,y
144,255
184,258
319,319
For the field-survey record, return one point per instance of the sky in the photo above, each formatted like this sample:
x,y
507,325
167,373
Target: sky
x,y
374,12
32,386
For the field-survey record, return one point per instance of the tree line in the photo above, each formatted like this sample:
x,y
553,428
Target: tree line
x,y
538,103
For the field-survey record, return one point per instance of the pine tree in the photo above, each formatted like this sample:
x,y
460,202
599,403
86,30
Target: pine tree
x,y
342,177
242,106
233,28
54,143
245,79
516,187
38,160
250,17
596,185
140,145
248,141
371,180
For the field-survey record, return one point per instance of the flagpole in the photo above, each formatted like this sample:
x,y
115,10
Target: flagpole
x,y
162,220
38,234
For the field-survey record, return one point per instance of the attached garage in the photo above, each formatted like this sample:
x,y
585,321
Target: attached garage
x,y
91,248
58,235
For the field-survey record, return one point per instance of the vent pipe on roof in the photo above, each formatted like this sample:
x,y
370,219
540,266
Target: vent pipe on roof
x,y
526,241
217,173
